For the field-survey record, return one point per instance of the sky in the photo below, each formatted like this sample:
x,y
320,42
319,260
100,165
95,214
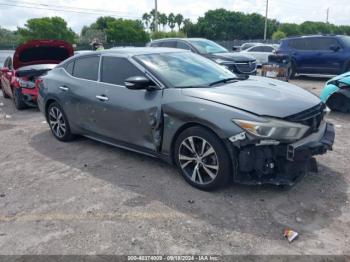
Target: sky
x,y
14,13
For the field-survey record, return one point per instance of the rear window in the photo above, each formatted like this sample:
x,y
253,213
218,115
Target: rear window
x,y
87,68
45,53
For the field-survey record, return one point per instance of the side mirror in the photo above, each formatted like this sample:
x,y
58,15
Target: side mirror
x,y
139,83
334,48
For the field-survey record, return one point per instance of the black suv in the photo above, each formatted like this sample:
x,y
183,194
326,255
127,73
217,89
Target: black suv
x,y
317,54
237,63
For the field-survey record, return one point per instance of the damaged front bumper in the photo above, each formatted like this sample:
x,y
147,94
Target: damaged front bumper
x,y
282,164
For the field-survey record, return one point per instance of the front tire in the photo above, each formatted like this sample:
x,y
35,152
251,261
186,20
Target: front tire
x,y
292,70
58,123
18,99
202,159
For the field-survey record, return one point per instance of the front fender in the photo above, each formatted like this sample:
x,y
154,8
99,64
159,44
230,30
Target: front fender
x,y
327,91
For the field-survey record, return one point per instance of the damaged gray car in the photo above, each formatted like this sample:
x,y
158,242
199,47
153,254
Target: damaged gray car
x,y
183,108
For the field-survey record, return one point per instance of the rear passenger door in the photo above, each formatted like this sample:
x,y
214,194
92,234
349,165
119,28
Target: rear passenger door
x,y
80,91
128,116
304,54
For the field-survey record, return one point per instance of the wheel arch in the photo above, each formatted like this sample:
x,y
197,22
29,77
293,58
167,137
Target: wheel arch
x,y
184,127
47,104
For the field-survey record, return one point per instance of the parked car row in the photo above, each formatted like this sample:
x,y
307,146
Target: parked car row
x,y
187,107
240,64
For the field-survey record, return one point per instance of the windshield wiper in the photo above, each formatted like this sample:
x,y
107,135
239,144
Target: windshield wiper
x,y
225,80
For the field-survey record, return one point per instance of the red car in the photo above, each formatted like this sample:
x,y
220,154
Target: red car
x,y
31,60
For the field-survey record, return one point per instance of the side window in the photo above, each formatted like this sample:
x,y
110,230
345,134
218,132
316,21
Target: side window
x,y
171,44
298,44
257,49
155,44
87,68
69,67
10,65
115,70
182,45
268,49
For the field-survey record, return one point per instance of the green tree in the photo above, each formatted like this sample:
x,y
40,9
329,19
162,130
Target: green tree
x,y
46,28
146,18
163,20
290,29
8,38
125,31
88,34
278,35
171,21
179,20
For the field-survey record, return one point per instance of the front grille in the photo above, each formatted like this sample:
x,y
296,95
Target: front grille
x,y
311,117
243,67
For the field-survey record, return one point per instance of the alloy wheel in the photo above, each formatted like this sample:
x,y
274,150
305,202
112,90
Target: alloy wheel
x,y
57,122
198,160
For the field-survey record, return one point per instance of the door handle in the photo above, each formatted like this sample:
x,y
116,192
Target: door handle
x,y
102,98
64,88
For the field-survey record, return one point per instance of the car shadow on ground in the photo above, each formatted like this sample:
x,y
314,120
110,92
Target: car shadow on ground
x,y
263,211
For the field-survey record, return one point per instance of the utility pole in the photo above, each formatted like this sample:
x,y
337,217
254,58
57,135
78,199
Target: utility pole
x,y
327,15
155,15
265,29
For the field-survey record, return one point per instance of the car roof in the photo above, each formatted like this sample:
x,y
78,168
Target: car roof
x,y
308,36
180,38
135,51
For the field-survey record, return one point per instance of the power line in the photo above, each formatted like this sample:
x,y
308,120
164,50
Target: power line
x,y
112,13
69,7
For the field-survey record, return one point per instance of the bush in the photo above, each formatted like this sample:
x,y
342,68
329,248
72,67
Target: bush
x,y
160,34
278,35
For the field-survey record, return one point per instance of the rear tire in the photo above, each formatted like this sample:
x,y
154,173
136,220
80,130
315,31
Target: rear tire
x,y
58,123
18,99
202,159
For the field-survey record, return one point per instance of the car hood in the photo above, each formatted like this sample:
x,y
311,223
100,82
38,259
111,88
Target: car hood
x,y
42,52
260,96
234,57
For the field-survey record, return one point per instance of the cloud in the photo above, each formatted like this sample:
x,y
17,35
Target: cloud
x,y
282,10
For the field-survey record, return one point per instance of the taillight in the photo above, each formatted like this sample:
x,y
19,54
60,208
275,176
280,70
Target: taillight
x,y
39,83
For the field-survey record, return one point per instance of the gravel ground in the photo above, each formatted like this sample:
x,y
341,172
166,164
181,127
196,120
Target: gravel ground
x,y
85,197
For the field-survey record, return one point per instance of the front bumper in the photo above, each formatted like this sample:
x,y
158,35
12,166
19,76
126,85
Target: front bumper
x,y
283,164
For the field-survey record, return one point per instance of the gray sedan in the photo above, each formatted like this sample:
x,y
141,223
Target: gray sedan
x,y
186,109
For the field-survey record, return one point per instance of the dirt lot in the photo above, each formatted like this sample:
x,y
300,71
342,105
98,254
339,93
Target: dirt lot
x,y
84,197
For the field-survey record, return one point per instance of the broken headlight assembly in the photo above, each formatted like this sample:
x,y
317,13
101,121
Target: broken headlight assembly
x,y
25,83
273,129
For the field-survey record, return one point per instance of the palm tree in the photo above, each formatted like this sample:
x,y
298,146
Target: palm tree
x,y
171,21
146,18
163,20
179,19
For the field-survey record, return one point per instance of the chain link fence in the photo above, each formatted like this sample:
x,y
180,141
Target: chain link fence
x,y
227,44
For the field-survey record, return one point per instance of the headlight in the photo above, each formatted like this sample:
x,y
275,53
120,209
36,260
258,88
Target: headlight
x,y
221,61
273,129
25,84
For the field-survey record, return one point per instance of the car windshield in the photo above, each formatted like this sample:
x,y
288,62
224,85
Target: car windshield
x,y
185,69
207,46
